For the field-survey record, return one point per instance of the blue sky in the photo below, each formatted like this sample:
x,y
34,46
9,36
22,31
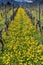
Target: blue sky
x,y
24,0
5,1
29,1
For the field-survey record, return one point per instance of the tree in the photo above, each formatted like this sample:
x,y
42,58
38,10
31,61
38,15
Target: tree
x,y
1,41
12,3
39,2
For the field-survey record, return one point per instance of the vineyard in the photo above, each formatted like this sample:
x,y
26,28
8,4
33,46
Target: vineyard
x,y
21,37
